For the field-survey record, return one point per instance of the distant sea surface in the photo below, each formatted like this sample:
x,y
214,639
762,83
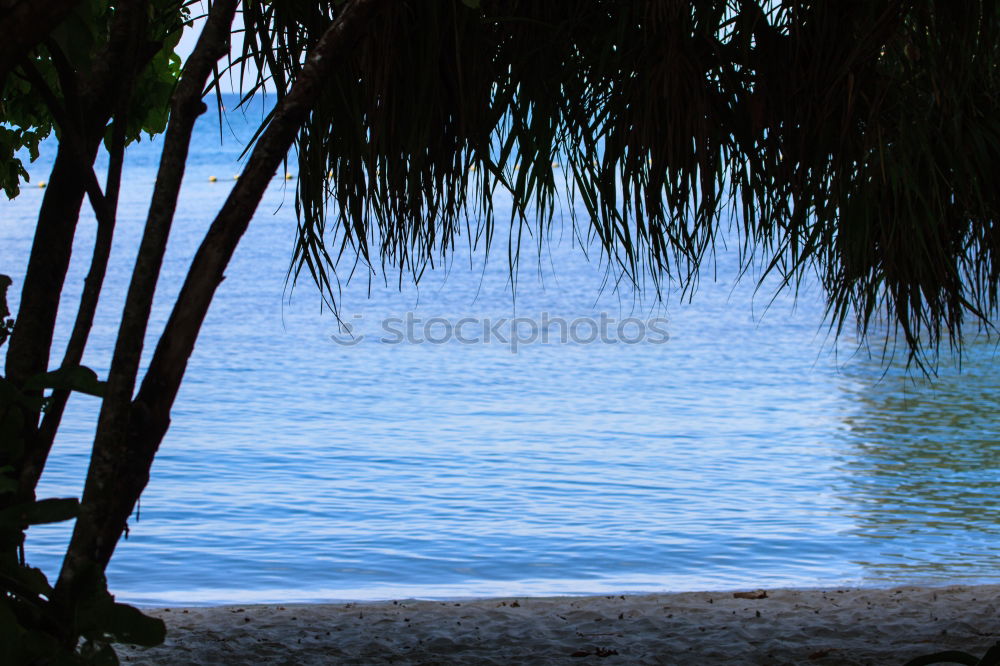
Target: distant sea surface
x,y
739,447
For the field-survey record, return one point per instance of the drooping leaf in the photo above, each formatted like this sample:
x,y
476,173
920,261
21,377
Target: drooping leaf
x,y
848,141
78,378
53,510
129,625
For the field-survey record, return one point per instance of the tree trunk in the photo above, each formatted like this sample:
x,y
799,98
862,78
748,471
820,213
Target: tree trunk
x,y
116,408
120,465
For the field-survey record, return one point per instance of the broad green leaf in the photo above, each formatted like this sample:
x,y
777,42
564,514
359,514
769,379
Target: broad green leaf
x,y
128,625
51,510
78,378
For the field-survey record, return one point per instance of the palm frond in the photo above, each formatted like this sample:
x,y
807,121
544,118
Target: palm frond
x,y
854,140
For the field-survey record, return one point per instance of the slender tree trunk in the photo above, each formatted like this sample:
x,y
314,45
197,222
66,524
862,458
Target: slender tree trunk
x,y
28,350
120,465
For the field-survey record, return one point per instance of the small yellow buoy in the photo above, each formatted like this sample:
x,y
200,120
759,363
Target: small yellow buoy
x,y
212,179
42,184
289,176
236,176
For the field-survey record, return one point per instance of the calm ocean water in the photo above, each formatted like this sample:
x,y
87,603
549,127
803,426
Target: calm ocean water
x,y
742,451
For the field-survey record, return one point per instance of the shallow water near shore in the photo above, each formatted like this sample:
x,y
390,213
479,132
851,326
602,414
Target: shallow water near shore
x,y
738,447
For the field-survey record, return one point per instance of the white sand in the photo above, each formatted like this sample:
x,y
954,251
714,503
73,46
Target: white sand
x,y
880,627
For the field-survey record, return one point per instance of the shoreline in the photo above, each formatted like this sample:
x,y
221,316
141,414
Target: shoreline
x,y
780,626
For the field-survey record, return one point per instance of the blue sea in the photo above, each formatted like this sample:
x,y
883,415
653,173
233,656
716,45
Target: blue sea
x,y
467,438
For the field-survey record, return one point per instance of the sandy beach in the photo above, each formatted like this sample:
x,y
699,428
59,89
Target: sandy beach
x,y
838,626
